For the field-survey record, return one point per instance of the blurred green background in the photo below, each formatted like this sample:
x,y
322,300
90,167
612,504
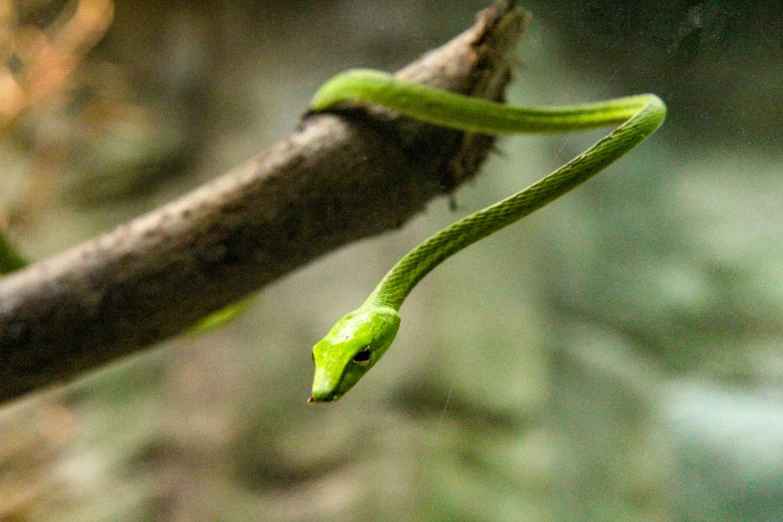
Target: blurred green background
x,y
616,356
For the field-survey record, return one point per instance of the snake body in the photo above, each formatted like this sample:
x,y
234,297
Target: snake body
x,y
359,339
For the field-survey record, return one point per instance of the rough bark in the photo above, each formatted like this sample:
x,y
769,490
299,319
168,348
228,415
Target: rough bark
x,y
339,178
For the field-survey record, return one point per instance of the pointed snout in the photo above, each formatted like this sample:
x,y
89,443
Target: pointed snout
x,y
321,397
324,388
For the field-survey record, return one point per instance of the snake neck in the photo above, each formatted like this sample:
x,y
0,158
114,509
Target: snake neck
x,y
416,264
406,274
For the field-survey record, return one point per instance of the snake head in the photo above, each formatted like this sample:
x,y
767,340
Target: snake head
x,y
353,346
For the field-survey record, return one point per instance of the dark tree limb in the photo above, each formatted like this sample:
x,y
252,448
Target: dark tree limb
x,y
337,179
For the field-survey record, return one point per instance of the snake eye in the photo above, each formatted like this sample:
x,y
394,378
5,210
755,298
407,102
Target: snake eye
x,y
363,357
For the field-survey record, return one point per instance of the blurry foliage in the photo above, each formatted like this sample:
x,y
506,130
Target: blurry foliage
x,y
44,47
42,43
10,259
75,124
30,447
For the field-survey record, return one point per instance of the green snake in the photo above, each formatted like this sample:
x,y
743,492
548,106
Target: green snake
x,y
359,339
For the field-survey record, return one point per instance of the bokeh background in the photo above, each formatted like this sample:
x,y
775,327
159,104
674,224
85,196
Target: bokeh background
x,y
616,356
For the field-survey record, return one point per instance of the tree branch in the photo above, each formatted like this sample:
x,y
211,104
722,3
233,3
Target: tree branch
x,y
338,178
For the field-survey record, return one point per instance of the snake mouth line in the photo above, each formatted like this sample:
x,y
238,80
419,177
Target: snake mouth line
x,y
331,395
326,398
